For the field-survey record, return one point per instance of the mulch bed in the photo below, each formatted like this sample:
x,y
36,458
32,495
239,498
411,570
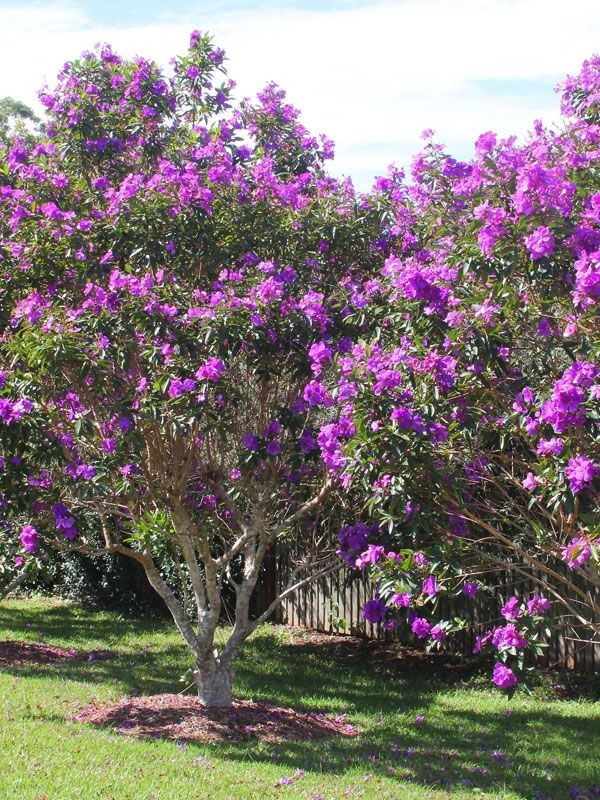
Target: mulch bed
x,y
18,653
14,654
185,719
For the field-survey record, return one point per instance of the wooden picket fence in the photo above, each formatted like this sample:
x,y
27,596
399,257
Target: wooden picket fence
x,y
334,604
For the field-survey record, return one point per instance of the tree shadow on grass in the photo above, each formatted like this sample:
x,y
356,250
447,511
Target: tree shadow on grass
x,y
73,624
466,750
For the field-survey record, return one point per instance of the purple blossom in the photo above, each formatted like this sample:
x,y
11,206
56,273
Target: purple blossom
x,y
580,471
530,482
554,446
470,588
128,469
512,609
402,599
481,642
29,538
374,611
540,243
372,555
504,677
352,539
85,471
273,428
307,441
178,387
420,627
577,552
211,370
538,605
316,394
125,424
319,353
273,448
508,636
438,634
64,522
251,442
406,418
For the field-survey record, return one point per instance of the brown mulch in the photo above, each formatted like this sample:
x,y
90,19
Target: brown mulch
x,y
185,719
14,654
17,653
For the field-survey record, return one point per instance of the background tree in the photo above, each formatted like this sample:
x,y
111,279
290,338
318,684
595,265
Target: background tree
x,y
475,398
14,116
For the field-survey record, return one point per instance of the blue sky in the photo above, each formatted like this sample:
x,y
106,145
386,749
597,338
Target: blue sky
x,y
371,74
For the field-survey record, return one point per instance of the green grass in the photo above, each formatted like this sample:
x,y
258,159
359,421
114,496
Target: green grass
x,y
549,745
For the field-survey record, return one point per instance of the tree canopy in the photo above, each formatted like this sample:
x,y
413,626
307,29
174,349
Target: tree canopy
x,y
209,345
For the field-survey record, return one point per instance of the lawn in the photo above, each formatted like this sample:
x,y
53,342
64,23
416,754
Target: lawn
x,y
429,729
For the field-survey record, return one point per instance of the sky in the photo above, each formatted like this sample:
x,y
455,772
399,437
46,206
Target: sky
x,y
371,74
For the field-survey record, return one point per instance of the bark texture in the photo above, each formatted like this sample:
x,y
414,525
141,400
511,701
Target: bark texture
x,y
214,681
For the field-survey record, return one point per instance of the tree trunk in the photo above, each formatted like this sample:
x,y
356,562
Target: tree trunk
x,y
214,681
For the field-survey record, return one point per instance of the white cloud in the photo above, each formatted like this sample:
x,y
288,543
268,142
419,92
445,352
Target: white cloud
x,y
371,76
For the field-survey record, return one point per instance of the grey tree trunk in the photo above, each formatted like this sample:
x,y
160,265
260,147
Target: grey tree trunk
x,y
214,681
14,584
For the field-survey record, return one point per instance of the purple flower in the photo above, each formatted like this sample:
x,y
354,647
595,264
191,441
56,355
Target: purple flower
x,y
470,589
508,636
438,634
352,538
374,610
273,448
320,353
580,471
481,642
29,538
125,424
577,552
211,370
371,555
408,419
429,586
511,610
178,387
316,394
402,599
504,677
251,442
272,429
547,447
530,482
420,627
307,441
538,605
64,521
540,243
85,471
107,257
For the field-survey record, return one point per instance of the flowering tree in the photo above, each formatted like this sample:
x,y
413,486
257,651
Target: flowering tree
x,y
204,337
474,400
171,288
